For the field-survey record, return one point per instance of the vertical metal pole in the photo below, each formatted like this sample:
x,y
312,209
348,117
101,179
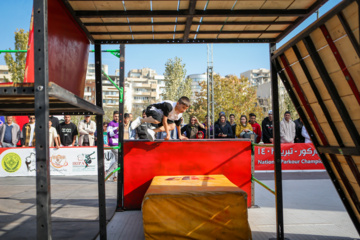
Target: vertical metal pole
x,y
252,181
277,148
212,100
208,95
210,91
208,102
121,129
43,197
100,145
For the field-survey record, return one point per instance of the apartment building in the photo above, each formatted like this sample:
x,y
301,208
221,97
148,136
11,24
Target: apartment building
x,y
89,93
4,73
110,92
143,87
257,76
261,78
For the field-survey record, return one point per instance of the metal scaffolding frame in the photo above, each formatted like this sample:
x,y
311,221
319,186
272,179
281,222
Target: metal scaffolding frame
x,y
42,106
210,93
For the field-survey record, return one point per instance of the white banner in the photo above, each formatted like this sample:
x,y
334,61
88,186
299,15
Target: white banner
x,y
64,161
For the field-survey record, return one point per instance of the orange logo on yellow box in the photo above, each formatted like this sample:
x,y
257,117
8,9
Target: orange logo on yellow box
x,y
189,178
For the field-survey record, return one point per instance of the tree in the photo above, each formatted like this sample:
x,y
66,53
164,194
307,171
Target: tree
x,y
175,82
17,65
289,106
231,95
109,112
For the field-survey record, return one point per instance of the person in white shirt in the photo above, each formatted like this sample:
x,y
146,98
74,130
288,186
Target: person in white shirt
x,y
287,129
86,129
53,136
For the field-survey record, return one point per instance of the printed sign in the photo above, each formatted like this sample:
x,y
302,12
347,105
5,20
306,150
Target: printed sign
x,y
295,156
63,161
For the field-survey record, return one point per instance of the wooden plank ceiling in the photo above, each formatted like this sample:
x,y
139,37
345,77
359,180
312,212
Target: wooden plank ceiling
x,y
190,21
320,69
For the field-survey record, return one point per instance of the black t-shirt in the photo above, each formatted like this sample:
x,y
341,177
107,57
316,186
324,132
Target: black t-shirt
x,y
67,133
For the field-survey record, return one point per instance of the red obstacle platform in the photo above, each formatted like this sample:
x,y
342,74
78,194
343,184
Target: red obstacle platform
x,y
144,160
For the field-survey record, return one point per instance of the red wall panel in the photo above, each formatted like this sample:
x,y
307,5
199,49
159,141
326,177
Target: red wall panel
x,y
68,49
144,160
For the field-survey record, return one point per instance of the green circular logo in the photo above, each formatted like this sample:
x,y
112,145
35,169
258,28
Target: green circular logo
x,y
11,162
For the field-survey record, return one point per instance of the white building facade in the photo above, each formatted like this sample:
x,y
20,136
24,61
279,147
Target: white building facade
x,y
195,84
142,88
257,76
4,73
261,79
108,89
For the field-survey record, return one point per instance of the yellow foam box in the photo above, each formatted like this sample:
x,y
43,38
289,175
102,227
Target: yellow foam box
x,y
195,207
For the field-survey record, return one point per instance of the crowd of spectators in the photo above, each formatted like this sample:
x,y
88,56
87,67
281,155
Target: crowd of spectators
x,y
290,131
67,134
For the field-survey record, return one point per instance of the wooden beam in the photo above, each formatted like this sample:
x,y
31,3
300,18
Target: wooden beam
x,y
197,13
189,19
211,23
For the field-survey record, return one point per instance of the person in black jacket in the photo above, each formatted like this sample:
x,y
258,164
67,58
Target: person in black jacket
x,y
233,123
220,114
192,128
267,128
298,127
223,128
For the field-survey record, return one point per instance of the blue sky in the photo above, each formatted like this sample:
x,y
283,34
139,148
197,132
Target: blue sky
x,y
228,58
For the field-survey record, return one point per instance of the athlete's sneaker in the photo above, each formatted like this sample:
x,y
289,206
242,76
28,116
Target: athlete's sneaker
x,y
150,134
136,123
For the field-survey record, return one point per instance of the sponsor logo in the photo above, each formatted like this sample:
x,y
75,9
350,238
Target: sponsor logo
x,y
189,178
30,162
86,158
58,161
108,155
11,162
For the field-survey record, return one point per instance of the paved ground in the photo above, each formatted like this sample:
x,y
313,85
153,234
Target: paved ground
x,y
312,210
74,207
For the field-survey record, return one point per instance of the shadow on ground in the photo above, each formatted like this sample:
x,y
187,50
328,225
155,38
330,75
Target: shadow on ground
x,y
272,236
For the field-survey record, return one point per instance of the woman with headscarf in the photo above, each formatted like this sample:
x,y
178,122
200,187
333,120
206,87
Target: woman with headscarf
x,y
223,128
244,129
190,130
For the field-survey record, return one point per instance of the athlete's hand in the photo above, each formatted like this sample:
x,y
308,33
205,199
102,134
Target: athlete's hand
x,y
167,137
183,138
